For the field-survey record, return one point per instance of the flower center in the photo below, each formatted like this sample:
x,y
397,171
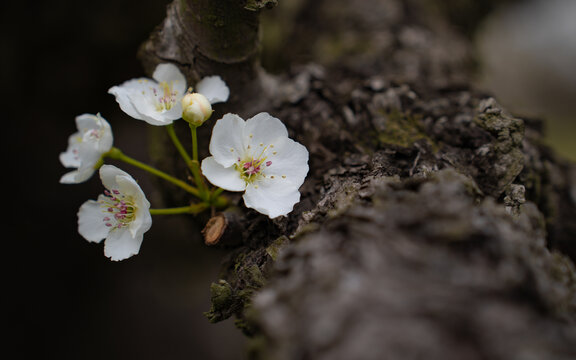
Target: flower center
x,y
88,136
92,135
251,169
119,209
164,96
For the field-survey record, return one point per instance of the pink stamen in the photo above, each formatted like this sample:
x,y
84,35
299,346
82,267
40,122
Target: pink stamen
x,y
119,208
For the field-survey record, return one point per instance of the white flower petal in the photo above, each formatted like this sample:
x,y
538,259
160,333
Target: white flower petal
x,y
85,173
70,178
170,74
263,129
226,144
78,176
213,88
91,224
226,178
89,153
129,90
108,174
87,121
271,198
142,222
70,158
129,187
289,161
120,244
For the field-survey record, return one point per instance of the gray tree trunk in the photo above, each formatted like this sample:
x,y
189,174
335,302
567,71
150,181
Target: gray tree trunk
x,y
433,223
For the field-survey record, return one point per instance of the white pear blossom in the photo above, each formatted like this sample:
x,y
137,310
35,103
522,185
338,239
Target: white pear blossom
x,y
121,215
85,147
256,156
158,101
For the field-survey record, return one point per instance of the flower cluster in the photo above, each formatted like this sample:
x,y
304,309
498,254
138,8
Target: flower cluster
x,y
255,156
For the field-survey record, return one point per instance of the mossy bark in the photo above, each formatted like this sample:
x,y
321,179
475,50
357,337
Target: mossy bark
x,y
433,223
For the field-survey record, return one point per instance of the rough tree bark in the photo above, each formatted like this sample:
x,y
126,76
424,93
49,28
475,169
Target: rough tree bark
x,y
433,223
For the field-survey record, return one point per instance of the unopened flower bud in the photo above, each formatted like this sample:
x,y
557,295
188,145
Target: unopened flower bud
x,y
196,109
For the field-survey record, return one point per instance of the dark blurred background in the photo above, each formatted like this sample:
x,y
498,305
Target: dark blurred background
x,y
65,299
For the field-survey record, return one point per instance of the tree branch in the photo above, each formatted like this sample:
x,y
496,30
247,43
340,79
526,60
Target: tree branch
x,y
206,37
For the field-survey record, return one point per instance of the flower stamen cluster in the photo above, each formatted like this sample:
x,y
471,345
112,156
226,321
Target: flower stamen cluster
x,y
120,208
92,135
255,166
169,96
252,168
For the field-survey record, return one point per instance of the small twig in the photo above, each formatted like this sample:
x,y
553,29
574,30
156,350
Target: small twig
x,y
411,172
223,228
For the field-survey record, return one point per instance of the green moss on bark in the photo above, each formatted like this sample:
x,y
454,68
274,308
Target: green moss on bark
x,y
401,129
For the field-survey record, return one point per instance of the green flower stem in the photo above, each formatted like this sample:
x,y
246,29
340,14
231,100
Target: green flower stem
x,y
195,168
192,209
194,142
171,211
116,154
178,144
215,193
220,202
99,163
